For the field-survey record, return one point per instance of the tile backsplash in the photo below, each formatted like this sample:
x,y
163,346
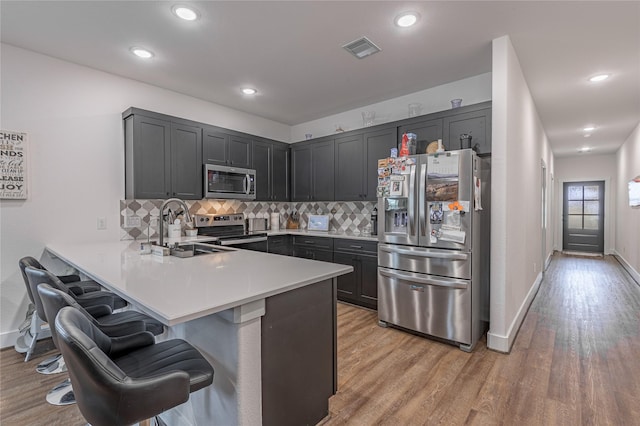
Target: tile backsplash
x,y
348,217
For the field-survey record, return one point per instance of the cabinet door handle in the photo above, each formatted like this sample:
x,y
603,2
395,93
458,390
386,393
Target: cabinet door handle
x,y
309,242
356,247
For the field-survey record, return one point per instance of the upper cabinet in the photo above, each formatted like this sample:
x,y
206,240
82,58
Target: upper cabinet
x,y
426,131
356,163
163,158
271,163
452,126
475,124
312,170
225,148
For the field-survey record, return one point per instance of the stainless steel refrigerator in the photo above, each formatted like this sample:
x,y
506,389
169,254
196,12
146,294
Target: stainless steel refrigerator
x,y
433,252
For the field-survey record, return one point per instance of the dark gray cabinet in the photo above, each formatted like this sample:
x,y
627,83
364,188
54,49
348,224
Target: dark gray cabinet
x,y
312,171
477,124
314,248
163,159
280,244
350,164
271,162
377,145
356,162
449,125
227,149
359,287
239,151
186,162
427,131
214,146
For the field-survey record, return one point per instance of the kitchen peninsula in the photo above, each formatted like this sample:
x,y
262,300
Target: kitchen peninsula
x,y
267,324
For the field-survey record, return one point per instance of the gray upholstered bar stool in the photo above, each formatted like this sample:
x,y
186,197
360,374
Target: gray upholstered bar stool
x,y
125,380
36,277
118,324
34,332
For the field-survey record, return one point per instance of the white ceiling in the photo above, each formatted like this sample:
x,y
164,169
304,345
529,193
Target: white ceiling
x,y
291,52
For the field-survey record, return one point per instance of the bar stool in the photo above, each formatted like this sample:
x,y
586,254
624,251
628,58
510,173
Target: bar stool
x,y
118,324
124,380
30,336
94,298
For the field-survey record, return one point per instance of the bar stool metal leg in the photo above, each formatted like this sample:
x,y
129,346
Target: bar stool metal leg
x,y
61,394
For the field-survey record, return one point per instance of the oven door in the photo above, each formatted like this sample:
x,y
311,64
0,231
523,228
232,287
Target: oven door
x,y
229,182
252,243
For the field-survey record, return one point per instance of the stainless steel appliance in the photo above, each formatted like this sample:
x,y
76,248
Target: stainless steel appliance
x,y
433,256
229,182
230,230
257,224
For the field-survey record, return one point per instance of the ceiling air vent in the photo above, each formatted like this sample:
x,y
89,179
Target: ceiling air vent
x,y
361,48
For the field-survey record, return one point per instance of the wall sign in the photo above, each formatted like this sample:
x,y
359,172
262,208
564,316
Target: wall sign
x,y
13,165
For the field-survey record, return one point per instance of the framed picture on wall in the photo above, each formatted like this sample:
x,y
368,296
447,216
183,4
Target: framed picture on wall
x,y
13,164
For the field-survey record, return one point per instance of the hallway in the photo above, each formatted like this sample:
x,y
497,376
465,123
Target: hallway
x,y
576,361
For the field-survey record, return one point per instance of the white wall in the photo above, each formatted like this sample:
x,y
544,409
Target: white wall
x,y
471,90
519,143
586,167
627,226
72,115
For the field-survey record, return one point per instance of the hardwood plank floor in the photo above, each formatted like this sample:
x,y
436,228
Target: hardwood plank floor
x,y
576,361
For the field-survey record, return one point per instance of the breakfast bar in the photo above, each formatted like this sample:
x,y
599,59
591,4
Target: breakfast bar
x,y
267,324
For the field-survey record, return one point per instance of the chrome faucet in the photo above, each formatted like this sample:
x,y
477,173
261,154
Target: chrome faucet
x,y
163,206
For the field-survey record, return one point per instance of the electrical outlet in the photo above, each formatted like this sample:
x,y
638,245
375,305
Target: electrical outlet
x,y
132,221
535,267
102,223
153,221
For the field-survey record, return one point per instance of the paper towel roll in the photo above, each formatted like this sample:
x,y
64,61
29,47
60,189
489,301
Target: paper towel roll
x,y
275,221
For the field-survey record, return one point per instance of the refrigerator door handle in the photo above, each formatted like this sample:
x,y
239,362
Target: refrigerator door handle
x,y
423,179
419,253
412,197
420,279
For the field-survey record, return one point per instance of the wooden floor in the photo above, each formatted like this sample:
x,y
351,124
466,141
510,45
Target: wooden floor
x,y
576,361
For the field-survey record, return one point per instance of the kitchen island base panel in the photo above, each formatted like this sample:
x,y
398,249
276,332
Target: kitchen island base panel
x,y
234,352
299,355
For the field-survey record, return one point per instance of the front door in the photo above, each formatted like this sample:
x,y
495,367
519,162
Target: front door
x,y
583,217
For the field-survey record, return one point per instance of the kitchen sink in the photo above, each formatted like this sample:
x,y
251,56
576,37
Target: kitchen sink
x,y
196,249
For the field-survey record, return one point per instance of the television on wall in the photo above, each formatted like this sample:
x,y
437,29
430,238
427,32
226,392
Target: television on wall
x,y
634,192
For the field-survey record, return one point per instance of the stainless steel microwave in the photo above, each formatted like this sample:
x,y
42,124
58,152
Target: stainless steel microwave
x,y
229,182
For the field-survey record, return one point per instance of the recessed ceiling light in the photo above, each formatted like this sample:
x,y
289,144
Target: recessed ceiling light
x,y
588,128
584,149
599,77
186,13
141,52
587,135
249,91
406,19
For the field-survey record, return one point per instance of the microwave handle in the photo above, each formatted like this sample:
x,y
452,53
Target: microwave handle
x,y
246,183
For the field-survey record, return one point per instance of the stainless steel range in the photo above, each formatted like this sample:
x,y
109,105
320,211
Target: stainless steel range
x,y
230,230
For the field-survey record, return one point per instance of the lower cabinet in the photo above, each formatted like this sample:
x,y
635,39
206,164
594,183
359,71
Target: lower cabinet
x,y
314,248
359,287
280,244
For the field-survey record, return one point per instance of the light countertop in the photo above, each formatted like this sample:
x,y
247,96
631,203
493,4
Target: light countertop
x,y
176,290
329,234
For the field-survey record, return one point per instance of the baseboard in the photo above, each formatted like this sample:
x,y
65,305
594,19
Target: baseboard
x,y
503,344
547,261
634,274
8,338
